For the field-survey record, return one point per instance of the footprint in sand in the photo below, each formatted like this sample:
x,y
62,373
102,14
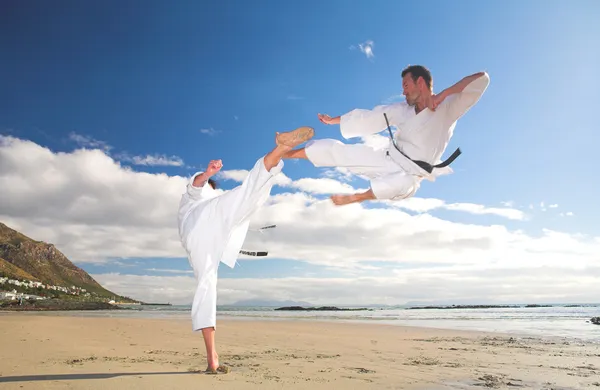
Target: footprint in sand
x,y
361,370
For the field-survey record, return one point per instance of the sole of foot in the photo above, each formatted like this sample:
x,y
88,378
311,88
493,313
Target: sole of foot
x,y
295,137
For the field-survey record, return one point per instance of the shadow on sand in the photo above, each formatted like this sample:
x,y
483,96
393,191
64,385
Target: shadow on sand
x,y
68,377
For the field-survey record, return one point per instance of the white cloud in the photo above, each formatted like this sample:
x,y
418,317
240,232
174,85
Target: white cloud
x,y
421,205
210,131
152,160
561,284
366,48
89,142
339,174
93,209
86,141
322,186
238,175
479,209
170,271
86,203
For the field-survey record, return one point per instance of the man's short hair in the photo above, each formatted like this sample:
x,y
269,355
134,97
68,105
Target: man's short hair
x,y
212,183
417,71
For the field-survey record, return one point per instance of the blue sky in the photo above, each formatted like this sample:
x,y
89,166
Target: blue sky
x,y
197,81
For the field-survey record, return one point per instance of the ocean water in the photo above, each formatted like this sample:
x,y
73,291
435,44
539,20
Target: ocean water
x,y
557,321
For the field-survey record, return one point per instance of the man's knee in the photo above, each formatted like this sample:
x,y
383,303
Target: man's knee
x,y
323,152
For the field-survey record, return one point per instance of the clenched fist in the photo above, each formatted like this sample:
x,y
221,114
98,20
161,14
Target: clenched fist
x,y
214,166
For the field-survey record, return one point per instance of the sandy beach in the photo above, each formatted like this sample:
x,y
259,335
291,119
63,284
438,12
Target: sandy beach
x,y
65,352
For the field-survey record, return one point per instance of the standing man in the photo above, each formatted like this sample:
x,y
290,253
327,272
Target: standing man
x,y
213,227
425,123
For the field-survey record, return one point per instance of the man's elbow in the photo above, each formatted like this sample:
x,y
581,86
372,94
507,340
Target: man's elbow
x,y
470,96
483,81
476,88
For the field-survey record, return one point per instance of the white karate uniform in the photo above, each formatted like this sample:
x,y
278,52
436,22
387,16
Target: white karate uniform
x,y
422,136
213,227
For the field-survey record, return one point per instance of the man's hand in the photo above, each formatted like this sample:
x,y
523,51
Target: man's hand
x,y
214,166
328,120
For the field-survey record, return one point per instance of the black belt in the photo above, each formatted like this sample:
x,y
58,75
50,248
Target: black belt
x,y
423,164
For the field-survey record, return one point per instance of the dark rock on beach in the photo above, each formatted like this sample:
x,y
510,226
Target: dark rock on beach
x,y
322,308
595,320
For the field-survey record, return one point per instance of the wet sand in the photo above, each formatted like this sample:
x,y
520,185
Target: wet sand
x,y
64,352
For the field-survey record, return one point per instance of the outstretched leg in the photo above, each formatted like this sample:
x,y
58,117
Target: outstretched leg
x,y
327,152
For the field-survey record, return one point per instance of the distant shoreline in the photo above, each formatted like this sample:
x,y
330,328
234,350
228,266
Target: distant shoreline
x,y
57,305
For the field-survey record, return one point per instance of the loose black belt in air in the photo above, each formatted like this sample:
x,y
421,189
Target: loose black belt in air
x,y
423,164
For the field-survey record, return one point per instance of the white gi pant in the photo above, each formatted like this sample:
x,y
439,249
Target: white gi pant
x,y
214,230
388,179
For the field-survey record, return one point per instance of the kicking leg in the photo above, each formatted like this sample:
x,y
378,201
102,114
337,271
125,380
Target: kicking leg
x,y
358,158
244,199
298,153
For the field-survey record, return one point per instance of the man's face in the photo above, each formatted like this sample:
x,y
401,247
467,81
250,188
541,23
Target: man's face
x,y
410,90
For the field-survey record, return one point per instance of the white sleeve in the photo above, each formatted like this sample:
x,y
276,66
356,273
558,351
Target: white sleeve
x,y
199,193
361,122
457,104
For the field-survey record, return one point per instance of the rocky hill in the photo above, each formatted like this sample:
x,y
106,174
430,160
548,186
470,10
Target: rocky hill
x,y
24,258
15,272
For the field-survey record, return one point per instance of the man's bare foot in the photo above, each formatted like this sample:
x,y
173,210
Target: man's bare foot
x,y
293,138
213,361
340,200
218,370
214,367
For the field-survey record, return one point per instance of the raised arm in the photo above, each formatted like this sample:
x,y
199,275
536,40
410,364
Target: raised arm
x,y
463,95
196,187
